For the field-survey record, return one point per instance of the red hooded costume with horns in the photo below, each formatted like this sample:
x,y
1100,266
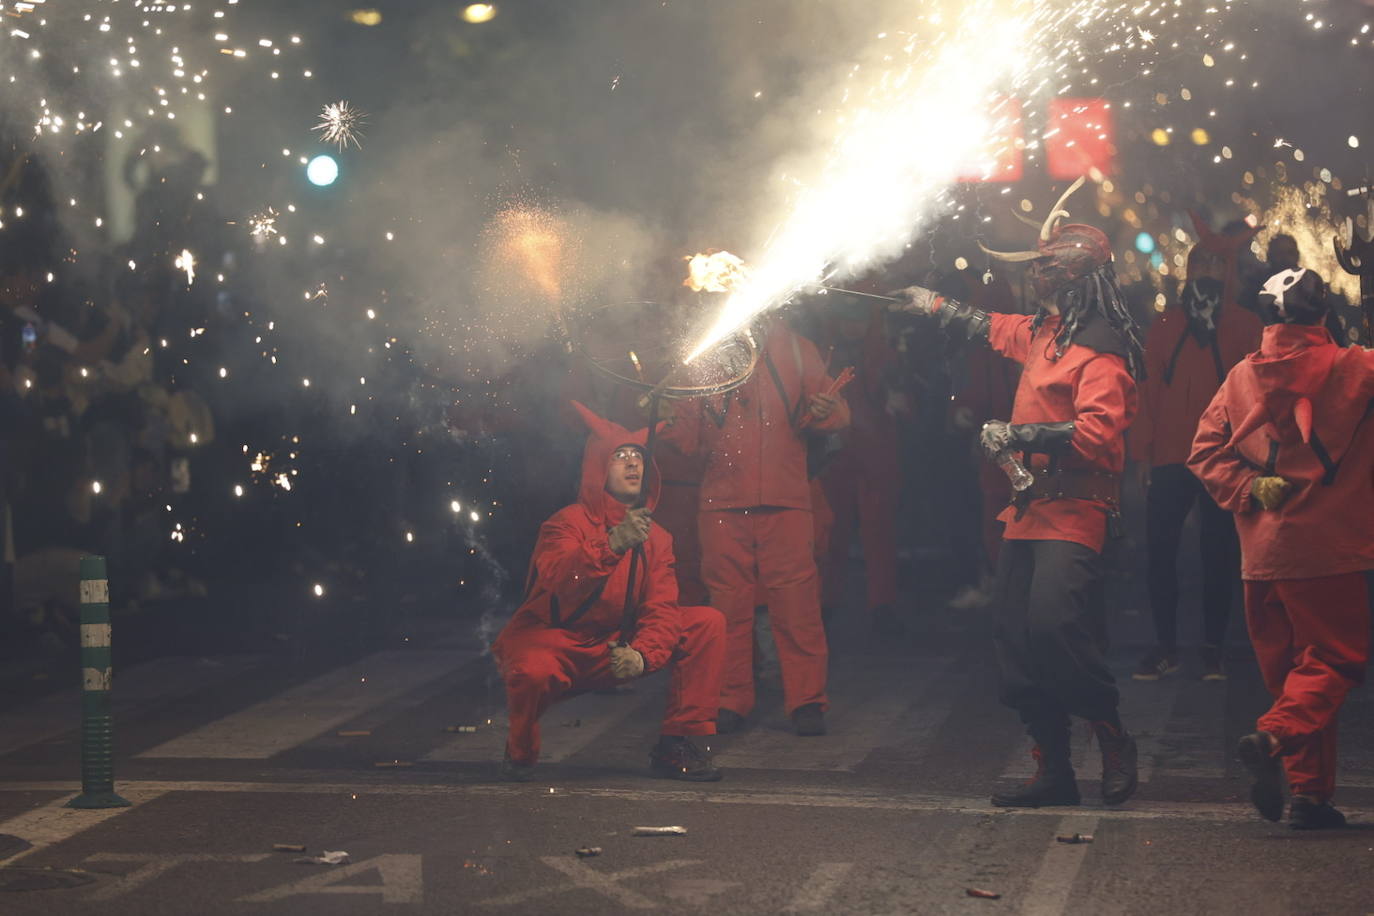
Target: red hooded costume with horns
x,y
1299,409
556,643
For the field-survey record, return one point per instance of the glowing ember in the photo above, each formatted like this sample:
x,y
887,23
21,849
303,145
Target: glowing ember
x,y
527,242
340,123
715,272
263,225
187,262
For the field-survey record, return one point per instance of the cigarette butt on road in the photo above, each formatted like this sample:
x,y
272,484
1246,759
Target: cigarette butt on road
x,y
356,733
985,895
288,847
393,763
659,831
465,729
1075,838
587,852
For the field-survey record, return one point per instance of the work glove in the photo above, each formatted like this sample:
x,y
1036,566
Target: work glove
x,y
626,663
1046,438
916,299
1270,492
822,405
996,436
631,532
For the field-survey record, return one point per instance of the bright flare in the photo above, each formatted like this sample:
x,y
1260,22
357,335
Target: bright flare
x,y
717,272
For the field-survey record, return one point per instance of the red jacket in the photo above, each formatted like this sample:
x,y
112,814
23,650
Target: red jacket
x,y
1300,409
1094,390
755,454
578,583
1172,402
870,441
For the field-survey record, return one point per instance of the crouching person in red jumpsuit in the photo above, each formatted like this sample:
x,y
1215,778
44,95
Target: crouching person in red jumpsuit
x,y
577,630
1287,445
1080,355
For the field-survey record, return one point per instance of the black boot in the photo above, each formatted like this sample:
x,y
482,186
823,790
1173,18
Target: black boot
x,y
809,720
1310,814
1053,783
1256,752
1120,776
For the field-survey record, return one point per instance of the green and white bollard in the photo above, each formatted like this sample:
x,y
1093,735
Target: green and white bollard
x,y
97,725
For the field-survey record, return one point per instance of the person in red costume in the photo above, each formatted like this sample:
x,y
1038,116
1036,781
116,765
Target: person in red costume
x,y
1287,445
1188,351
601,607
1080,357
863,478
756,523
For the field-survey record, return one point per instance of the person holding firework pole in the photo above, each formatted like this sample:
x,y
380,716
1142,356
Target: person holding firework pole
x,y
1081,357
1287,445
601,608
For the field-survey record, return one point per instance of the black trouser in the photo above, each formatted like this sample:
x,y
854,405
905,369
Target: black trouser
x,y
1172,493
1051,633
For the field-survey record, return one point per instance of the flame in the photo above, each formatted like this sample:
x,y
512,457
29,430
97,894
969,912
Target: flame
x,y
715,272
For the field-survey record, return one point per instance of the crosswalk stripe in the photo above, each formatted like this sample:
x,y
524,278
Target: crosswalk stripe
x,y
136,689
868,700
302,712
566,728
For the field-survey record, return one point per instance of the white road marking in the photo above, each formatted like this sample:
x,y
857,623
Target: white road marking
x,y
402,881
154,866
302,712
855,800
597,713
815,894
136,689
1047,893
584,876
55,822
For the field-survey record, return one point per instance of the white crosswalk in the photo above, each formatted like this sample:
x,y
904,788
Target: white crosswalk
x,y
305,711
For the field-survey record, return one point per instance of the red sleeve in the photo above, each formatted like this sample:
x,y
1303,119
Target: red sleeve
x,y
1215,462
1140,442
1010,335
570,560
814,381
1104,403
684,432
659,625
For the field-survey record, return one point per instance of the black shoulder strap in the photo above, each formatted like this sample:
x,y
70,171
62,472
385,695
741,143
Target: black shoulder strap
x,y
1319,448
1173,357
794,411
1216,359
582,608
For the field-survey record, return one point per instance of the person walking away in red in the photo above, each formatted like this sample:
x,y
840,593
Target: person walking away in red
x,y
601,608
862,478
1287,445
1080,357
1188,351
756,521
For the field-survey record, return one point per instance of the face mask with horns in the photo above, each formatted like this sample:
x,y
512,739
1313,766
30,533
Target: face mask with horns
x,y
1064,254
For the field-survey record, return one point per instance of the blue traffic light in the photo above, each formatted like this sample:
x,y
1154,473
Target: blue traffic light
x,y
322,171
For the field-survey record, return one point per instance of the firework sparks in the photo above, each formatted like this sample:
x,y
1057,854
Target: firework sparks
x,y
526,241
263,225
187,262
715,272
340,124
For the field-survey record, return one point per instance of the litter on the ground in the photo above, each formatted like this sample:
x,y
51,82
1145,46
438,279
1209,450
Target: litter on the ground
x,y
394,763
288,847
586,852
1075,838
355,733
337,857
659,831
460,728
986,895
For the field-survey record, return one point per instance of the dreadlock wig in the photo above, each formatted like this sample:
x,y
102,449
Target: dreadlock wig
x,y
1072,265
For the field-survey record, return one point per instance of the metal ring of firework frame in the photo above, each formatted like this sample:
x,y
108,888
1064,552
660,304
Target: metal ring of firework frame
x,y
674,392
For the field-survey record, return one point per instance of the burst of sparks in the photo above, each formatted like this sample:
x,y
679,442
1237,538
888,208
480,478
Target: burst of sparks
x,y
715,272
340,124
187,262
263,225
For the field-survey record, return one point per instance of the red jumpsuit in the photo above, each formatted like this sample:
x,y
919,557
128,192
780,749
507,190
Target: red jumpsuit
x,y
555,645
863,479
756,523
988,394
1299,409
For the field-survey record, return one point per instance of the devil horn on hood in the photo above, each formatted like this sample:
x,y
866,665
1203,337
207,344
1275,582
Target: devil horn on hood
x,y
1010,255
1057,210
1028,220
596,424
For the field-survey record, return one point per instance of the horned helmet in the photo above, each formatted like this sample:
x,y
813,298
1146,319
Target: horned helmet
x,y
1064,254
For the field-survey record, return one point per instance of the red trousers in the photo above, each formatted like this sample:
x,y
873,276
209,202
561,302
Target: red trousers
x,y
742,548
1311,639
677,513
542,666
858,499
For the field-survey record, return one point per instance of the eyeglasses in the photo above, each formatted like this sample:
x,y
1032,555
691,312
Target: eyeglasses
x,y
627,454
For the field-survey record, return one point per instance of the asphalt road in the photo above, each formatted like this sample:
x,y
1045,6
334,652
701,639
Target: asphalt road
x,y
225,757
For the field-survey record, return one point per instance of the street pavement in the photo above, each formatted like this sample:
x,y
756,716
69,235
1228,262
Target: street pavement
x,y
224,757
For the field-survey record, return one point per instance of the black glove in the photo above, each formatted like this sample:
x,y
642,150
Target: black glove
x,y
1047,438
965,319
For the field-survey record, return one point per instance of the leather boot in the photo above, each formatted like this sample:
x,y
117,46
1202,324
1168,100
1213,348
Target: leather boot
x,y
1053,783
1119,767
